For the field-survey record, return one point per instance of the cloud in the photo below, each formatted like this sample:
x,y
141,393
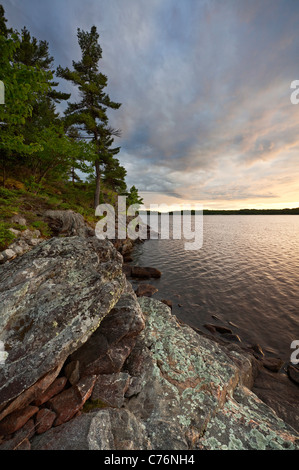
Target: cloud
x,y
204,87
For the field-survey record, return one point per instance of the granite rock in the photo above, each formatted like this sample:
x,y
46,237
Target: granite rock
x,y
51,301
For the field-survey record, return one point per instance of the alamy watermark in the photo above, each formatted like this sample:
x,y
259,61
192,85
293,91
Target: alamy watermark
x,y
137,222
2,93
295,94
295,355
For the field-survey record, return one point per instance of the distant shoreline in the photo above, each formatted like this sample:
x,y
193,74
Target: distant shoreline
x,y
233,212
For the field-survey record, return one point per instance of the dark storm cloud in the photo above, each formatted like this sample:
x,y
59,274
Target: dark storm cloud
x,y
204,87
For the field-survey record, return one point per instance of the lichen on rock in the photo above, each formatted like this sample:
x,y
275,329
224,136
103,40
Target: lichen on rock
x,y
51,300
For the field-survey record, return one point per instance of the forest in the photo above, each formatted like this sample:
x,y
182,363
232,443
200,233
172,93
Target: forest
x,y
42,150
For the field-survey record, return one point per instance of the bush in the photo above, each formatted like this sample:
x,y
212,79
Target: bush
x,y
6,236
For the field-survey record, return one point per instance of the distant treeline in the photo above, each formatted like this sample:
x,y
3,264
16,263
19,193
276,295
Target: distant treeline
x,y
241,212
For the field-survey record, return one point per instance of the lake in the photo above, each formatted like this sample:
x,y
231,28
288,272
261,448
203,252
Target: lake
x,y
246,273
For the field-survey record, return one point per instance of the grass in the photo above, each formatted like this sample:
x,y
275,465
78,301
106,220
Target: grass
x,y
6,236
90,405
16,198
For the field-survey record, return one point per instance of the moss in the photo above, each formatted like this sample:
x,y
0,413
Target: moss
x,y
91,405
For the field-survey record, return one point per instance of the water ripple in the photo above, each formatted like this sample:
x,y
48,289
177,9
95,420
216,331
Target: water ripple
x,y
246,273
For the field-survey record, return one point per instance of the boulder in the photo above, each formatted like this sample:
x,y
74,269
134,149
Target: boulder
x,y
111,389
67,223
192,388
51,301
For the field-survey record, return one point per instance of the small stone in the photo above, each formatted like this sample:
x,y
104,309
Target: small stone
x,y
167,302
146,290
56,387
34,241
210,327
44,420
9,254
145,272
15,232
256,348
232,337
16,420
18,219
274,364
72,372
70,401
17,249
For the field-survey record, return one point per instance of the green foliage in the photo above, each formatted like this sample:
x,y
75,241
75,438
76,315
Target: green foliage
x,y
90,114
6,236
37,146
43,227
22,84
8,203
133,197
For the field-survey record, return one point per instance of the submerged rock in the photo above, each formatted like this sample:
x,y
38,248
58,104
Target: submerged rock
x,y
145,272
146,290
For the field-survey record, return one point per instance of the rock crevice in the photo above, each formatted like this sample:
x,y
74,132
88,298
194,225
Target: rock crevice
x,y
91,366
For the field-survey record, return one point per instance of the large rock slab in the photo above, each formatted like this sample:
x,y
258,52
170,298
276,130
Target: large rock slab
x,y
191,388
67,223
186,392
51,301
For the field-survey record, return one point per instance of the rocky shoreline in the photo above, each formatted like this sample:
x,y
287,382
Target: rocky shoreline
x,y
93,365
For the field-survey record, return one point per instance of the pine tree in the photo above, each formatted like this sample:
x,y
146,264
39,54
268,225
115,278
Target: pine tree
x,y
90,114
22,84
34,53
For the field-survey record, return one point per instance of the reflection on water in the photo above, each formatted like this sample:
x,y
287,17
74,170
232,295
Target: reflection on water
x,y
246,273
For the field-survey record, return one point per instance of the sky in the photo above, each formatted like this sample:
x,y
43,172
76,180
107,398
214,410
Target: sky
x,y
205,87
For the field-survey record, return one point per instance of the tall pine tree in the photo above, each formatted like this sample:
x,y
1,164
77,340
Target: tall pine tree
x,y
90,114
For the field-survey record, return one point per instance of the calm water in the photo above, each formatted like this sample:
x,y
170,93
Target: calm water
x,y
246,273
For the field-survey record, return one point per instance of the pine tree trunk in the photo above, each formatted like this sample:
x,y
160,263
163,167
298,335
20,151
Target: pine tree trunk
x,y
98,185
